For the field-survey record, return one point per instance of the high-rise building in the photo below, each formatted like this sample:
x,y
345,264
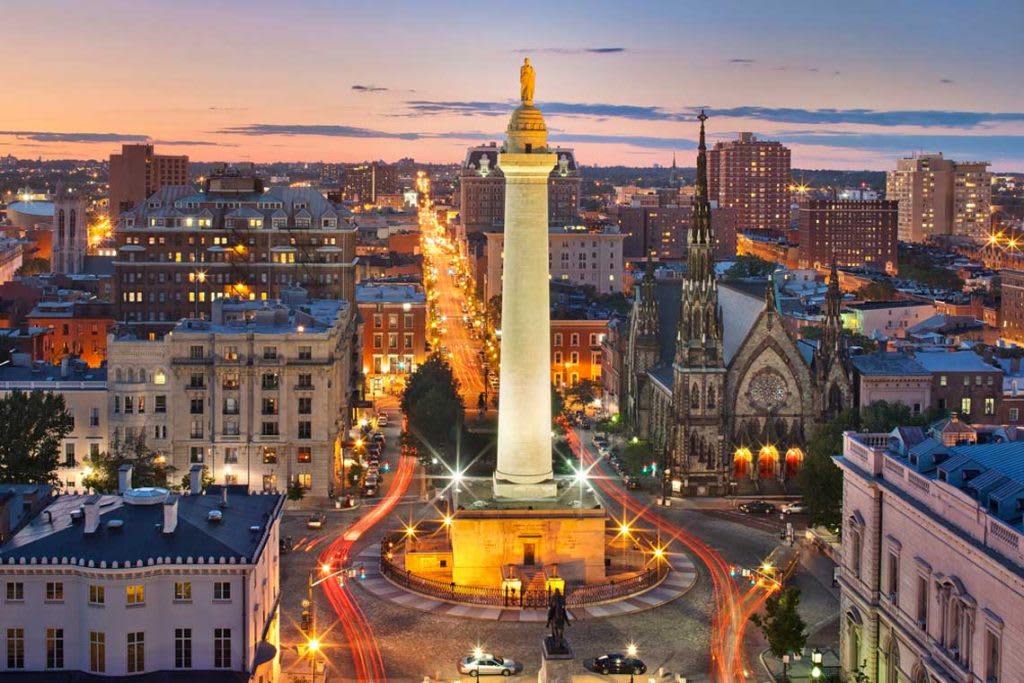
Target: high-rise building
x,y
182,248
666,227
1012,305
138,172
856,233
752,177
367,182
939,196
482,190
70,231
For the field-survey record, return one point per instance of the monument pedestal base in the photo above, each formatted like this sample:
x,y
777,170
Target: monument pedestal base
x,y
556,665
545,490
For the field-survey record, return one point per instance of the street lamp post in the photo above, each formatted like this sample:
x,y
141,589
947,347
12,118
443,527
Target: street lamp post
x,y
631,650
785,668
816,665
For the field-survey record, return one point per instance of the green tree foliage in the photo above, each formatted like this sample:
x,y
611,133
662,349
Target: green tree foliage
x,y
148,468
749,267
820,479
781,623
583,394
635,456
32,427
883,290
921,267
431,401
33,266
205,480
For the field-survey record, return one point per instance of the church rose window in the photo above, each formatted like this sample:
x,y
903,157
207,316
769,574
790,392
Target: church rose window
x,y
768,391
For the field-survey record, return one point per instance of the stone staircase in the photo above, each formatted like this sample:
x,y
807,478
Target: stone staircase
x,y
537,582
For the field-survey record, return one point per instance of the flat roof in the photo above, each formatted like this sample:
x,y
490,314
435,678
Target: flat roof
x,y
888,363
954,361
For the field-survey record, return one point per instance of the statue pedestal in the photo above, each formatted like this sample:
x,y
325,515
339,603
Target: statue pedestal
x,y
556,666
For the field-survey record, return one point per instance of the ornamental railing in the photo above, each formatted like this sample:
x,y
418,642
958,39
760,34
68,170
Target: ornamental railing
x,y
576,596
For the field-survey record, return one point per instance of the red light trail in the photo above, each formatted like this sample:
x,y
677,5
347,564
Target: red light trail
x,y
732,610
369,664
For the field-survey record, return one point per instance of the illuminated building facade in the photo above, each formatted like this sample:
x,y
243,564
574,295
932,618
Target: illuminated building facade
x,y
939,196
366,183
394,334
856,233
715,382
185,248
752,177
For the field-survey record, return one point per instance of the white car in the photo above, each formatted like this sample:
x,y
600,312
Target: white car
x,y
382,420
794,509
486,664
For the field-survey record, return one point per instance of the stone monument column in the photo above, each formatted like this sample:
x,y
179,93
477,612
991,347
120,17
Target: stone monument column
x,y
524,412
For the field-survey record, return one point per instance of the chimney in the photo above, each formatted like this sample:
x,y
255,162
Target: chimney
x,y
124,479
92,514
170,514
195,480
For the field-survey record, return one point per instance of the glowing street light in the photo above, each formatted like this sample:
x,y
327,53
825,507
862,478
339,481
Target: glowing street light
x,y
325,568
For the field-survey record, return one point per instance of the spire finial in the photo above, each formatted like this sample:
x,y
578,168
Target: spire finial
x,y
702,117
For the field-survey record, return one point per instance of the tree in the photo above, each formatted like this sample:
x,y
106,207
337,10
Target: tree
x,y
877,291
781,623
431,401
296,492
32,427
205,479
748,266
33,266
148,467
583,393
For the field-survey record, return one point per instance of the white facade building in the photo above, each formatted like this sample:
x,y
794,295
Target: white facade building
x,y
575,256
259,395
932,575
145,581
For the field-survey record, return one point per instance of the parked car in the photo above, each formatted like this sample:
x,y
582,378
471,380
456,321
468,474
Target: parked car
x,y
758,507
382,420
316,521
486,664
378,439
616,663
798,508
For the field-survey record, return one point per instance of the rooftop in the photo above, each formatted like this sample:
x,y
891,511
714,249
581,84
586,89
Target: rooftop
x,y
56,534
390,293
76,375
953,361
888,363
242,316
881,305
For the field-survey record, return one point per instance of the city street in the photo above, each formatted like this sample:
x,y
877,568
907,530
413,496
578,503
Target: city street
x,y
463,348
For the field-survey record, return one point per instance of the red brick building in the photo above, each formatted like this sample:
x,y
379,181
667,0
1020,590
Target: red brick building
x,y
752,177
858,233
78,329
666,231
138,172
576,350
394,323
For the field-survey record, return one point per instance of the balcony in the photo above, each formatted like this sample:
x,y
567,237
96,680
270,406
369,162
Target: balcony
x,y
305,387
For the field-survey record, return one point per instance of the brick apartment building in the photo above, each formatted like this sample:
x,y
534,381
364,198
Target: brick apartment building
x,y
576,350
394,334
857,233
183,248
138,172
78,328
666,228
751,176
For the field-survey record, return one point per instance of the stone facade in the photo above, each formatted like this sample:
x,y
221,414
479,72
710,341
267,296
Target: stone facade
x,y
728,401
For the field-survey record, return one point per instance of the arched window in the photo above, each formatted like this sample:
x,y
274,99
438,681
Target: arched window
x,y
117,375
72,224
60,225
767,460
131,375
794,458
741,459
711,397
142,374
892,662
856,545
695,396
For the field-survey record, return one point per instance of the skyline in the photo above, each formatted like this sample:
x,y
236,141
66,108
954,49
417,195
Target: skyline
x,y
842,90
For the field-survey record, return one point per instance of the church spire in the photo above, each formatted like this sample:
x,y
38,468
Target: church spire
x,y
700,239
832,325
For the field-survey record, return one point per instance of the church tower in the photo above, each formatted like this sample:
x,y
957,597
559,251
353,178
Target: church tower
x,y
832,325
644,350
70,231
829,363
699,369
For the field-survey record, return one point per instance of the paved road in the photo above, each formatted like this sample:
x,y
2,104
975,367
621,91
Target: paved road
x,y
465,360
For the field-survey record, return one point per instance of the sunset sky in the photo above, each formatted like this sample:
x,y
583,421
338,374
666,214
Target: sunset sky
x,y
845,86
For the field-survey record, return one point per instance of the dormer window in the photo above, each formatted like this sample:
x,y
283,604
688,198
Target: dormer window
x,y
256,223
329,223
278,223
302,222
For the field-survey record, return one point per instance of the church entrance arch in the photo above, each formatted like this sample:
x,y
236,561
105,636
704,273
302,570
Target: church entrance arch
x,y
741,461
767,460
794,460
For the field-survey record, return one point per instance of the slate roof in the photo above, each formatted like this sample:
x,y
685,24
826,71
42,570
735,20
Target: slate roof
x,y
888,363
141,537
954,361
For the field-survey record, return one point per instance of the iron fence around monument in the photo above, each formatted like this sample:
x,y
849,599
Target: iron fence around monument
x,y
577,596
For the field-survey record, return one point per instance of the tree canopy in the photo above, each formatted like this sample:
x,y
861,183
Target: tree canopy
x,y
148,467
748,266
431,401
781,623
32,427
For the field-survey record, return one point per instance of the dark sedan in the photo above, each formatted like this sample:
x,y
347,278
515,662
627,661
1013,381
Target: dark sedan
x,y
616,663
758,507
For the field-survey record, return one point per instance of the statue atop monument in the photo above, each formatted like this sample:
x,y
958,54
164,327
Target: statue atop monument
x,y
527,81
